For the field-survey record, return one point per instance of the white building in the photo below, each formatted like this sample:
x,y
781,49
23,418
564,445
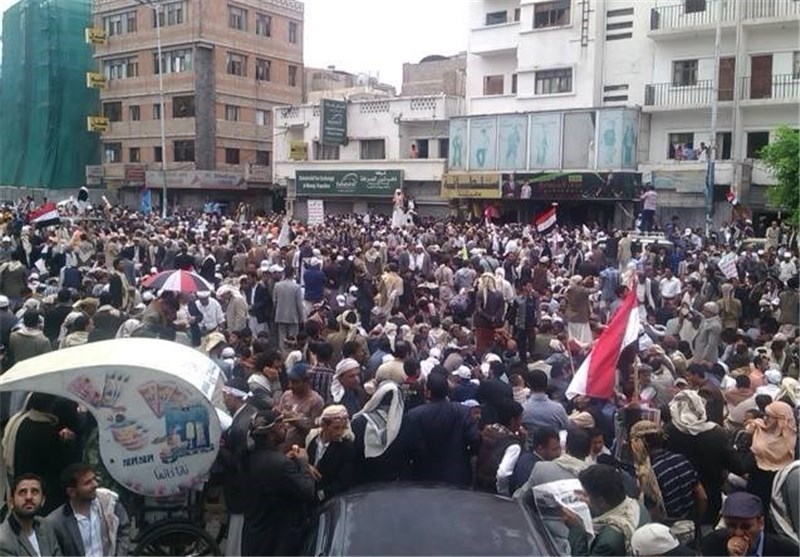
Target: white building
x,y
361,175
657,56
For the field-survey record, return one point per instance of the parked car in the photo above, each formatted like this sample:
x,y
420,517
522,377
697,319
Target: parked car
x,y
412,519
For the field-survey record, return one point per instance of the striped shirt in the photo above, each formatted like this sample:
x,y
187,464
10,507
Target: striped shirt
x,y
676,479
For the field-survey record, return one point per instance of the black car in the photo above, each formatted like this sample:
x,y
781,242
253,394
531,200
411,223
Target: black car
x,y
401,519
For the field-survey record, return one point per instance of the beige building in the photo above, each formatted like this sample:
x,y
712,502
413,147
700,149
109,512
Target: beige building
x,y
225,66
435,75
330,83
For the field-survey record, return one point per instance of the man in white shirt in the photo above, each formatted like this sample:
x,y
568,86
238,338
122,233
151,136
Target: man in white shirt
x,y
213,318
93,522
670,288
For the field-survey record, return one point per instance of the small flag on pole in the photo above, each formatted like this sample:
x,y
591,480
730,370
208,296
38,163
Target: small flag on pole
x,y
45,215
546,221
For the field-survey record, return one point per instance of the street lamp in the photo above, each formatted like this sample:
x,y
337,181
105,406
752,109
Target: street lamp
x,y
156,7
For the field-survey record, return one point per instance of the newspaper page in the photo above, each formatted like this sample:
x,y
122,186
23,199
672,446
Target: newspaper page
x,y
564,493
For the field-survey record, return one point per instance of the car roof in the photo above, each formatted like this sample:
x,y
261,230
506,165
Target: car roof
x,y
436,520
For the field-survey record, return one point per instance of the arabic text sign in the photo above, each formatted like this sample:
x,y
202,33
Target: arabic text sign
x,y
197,179
348,182
333,122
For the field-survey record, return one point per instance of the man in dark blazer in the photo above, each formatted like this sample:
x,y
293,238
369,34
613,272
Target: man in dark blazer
x,y
331,453
74,521
25,499
289,309
744,533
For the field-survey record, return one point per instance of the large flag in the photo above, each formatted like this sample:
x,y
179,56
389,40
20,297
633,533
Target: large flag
x,y
598,373
546,221
45,215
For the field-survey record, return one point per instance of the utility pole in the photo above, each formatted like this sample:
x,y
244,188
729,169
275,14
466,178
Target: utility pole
x,y
712,154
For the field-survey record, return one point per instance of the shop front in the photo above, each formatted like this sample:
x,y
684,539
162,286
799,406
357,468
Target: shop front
x,y
344,191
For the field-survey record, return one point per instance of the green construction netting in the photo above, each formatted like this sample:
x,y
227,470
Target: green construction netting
x,y
44,101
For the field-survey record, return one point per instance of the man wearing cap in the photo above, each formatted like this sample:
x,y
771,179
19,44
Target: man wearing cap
x,y
743,516
346,386
314,282
656,540
208,313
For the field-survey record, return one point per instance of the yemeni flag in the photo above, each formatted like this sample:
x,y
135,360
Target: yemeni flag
x,y
598,373
546,221
46,215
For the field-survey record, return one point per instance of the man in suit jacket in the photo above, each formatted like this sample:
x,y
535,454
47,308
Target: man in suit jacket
x,y
22,525
260,303
331,453
706,343
744,531
93,522
289,311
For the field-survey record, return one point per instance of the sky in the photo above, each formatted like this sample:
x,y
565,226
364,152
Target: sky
x,y
378,36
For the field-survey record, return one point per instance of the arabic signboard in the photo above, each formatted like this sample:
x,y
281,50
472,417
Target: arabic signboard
x,y
471,186
333,122
316,212
94,175
197,180
381,183
566,186
134,174
95,80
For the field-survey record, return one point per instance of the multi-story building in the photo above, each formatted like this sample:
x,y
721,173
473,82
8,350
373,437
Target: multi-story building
x,y
570,62
330,83
225,65
436,74
375,156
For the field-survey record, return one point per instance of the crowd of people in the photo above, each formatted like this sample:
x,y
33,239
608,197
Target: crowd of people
x,y
370,350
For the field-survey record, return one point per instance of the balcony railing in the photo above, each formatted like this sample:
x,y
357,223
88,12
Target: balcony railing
x,y
784,86
692,13
669,94
765,9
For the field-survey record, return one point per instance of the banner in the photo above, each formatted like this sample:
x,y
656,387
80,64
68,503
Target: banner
x,y
545,141
316,212
458,144
513,142
609,149
578,140
196,179
483,143
381,183
630,138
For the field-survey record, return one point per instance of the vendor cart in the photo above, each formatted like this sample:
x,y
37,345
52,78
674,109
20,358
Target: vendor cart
x,y
159,413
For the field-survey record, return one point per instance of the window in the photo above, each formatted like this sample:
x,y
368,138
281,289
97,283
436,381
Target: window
x,y
173,61
293,32
263,25
755,141
724,140
237,18
292,76
112,152
620,25
444,148
262,69
263,158
618,93
684,73
113,111
173,13
262,117
134,114
694,6
676,143
550,82
496,18
231,113
513,84
118,24
324,152
619,36
373,149
130,22
157,155
134,154
184,150
183,107
517,12
121,68
620,12
551,14
796,65
231,156
237,64
493,85
157,111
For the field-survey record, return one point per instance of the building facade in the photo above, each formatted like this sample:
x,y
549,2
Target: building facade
x,y
656,57
330,83
435,75
225,66
375,157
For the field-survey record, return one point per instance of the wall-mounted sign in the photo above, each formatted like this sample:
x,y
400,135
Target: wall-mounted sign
x,y
557,186
196,180
348,182
97,124
134,174
298,150
96,35
94,175
333,122
95,80
471,186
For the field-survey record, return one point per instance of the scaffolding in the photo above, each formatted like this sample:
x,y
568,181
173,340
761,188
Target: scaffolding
x,y
44,101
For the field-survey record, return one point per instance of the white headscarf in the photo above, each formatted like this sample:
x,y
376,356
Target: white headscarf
x,y
383,424
688,411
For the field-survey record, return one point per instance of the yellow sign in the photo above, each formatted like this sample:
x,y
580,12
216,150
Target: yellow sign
x,y
97,124
471,185
95,35
298,150
95,80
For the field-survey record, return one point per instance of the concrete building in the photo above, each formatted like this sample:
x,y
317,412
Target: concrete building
x,y
375,158
436,75
653,57
330,83
225,66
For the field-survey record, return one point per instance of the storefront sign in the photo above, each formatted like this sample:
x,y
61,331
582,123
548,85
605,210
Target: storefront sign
x,y
94,175
471,186
566,186
333,122
348,182
134,174
196,180
258,173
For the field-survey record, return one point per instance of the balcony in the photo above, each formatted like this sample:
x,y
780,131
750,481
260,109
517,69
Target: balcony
x,y
494,39
667,96
776,88
691,16
769,9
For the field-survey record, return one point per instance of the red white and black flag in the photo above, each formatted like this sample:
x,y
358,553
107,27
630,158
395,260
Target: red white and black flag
x,y
546,221
46,215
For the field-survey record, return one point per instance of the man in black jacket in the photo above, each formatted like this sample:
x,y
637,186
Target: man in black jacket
x,y
744,531
280,489
331,452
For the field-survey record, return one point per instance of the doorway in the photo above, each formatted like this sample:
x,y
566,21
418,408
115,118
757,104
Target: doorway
x,y
761,77
727,72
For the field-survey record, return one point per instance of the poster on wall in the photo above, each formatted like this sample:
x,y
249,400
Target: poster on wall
x,y
578,140
545,141
482,143
609,149
458,144
630,138
513,139
316,212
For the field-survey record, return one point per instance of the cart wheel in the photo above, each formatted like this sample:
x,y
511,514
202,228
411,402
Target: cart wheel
x,y
176,539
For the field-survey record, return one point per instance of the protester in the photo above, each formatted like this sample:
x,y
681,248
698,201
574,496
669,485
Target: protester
x,y
23,532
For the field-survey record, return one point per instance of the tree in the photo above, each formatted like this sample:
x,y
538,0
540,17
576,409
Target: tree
x,y
782,157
